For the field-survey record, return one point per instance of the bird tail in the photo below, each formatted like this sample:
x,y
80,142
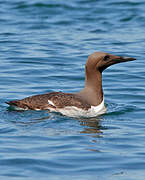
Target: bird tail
x,y
17,105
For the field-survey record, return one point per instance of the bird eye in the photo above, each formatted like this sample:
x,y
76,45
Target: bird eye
x,y
106,57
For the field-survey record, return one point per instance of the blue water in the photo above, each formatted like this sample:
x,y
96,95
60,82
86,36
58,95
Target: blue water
x,y
43,47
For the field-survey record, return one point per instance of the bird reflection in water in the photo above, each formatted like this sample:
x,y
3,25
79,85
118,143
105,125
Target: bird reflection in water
x,y
91,126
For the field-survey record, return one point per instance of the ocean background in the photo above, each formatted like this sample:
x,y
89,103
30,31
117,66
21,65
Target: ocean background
x,y
43,48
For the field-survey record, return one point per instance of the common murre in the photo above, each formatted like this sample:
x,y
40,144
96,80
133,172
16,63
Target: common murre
x,y
89,102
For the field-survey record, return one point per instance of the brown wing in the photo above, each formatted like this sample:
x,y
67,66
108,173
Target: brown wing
x,y
59,99
62,100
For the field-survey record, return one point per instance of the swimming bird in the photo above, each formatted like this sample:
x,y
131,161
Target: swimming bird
x,y
89,102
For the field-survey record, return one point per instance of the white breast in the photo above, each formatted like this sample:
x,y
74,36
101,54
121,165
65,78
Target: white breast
x,y
73,111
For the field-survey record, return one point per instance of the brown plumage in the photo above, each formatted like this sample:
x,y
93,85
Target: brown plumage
x,y
59,99
90,95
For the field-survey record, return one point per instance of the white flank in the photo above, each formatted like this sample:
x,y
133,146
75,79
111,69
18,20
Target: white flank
x,y
51,103
73,111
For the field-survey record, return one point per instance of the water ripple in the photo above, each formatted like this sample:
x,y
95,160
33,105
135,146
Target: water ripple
x,y
44,47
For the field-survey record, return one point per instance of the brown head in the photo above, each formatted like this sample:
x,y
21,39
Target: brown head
x,y
100,61
95,65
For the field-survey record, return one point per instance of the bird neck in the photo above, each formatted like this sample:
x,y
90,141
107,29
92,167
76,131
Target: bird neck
x,y
93,91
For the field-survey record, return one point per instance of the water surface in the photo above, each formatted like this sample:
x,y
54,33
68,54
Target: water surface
x,y
44,47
